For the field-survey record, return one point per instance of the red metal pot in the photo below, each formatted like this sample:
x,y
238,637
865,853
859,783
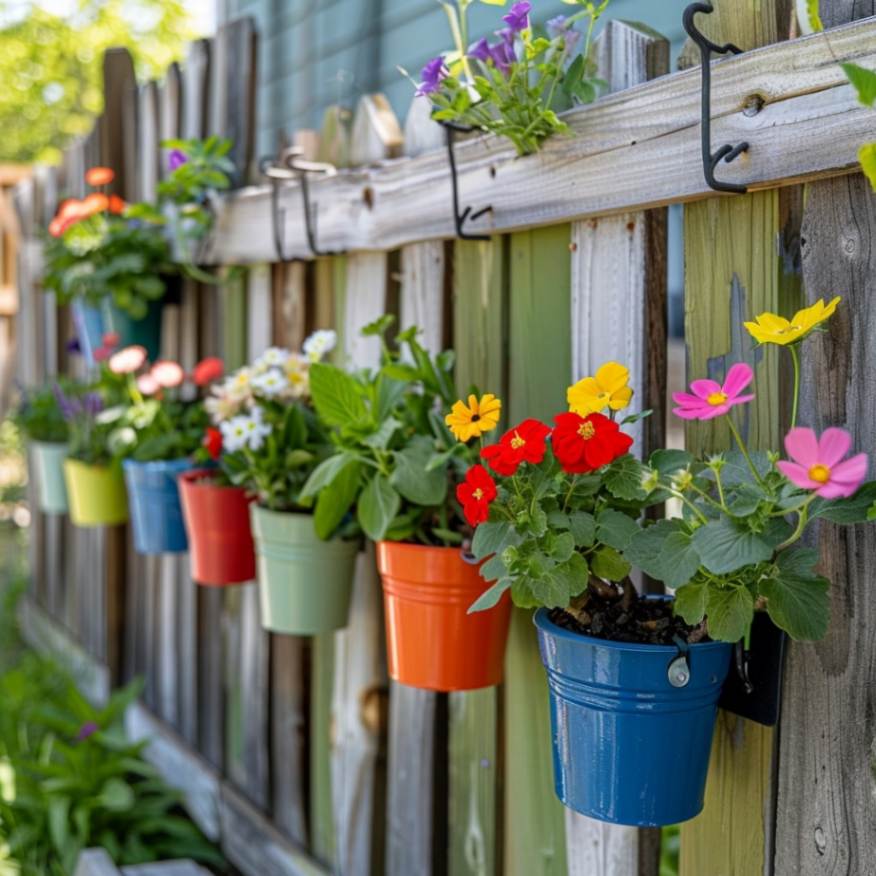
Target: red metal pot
x,y
217,522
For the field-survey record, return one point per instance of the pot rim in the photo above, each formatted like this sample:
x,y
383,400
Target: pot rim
x,y
156,463
546,625
429,547
57,445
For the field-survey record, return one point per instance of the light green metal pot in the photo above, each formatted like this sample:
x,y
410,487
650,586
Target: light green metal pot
x,y
304,583
47,470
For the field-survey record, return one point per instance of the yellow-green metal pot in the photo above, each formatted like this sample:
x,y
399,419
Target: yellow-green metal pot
x,y
96,493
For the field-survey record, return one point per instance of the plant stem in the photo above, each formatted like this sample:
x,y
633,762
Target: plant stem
x,y
795,358
702,517
802,520
720,488
708,498
742,447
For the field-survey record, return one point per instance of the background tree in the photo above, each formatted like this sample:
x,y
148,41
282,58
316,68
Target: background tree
x,y
50,65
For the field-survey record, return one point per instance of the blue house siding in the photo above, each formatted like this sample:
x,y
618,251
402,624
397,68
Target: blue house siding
x,y
313,54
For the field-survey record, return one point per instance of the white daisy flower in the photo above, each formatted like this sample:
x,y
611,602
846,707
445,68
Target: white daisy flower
x,y
297,368
234,434
239,385
221,408
273,357
322,341
256,432
271,383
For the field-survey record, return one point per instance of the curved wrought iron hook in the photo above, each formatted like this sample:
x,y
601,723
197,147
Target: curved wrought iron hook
x,y
460,218
292,166
726,153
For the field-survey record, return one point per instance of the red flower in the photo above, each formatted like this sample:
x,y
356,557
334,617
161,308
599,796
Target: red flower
x,y
207,370
213,442
111,339
475,494
584,444
101,354
523,443
116,205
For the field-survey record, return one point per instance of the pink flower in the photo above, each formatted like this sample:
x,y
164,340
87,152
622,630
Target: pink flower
x,y
127,360
817,463
148,385
111,339
710,399
167,374
101,354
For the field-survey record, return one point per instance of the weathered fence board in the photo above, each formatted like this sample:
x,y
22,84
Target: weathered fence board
x,y
809,125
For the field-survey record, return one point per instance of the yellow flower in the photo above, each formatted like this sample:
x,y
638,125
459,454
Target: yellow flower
x,y
608,389
472,420
770,328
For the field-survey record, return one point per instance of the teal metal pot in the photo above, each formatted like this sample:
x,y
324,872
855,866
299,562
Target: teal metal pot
x,y
47,468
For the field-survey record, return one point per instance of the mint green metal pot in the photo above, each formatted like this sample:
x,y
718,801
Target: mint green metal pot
x,y
304,583
47,468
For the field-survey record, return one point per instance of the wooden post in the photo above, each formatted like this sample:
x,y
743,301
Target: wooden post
x,y
734,271
826,810
411,816
619,314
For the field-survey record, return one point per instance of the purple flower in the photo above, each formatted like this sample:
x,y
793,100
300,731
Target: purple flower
x,y
432,75
503,52
69,405
560,27
517,18
87,730
73,346
176,158
480,51
92,404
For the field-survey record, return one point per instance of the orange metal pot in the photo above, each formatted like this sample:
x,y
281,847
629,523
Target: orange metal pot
x,y
431,641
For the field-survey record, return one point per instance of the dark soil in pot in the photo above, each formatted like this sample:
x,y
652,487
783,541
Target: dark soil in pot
x,y
619,614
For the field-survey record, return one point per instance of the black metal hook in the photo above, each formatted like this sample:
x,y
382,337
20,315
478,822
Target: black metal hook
x,y
743,665
460,218
293,167
726,153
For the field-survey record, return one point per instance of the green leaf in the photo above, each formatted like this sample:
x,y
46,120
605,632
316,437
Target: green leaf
x,y
492,538
815,22
730,611
846,511
668,462
608,564
863,81
59,828
725,546
336,500
679,559
116,795
494,569
411,478
690,602
563,547
646,549
797,598
583,528
336,395
615,528
381,438
867,157
490,597
324,474
378,505
623,478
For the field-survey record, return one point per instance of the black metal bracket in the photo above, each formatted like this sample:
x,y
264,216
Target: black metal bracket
x,y
293,167
726,153
460,218
753,688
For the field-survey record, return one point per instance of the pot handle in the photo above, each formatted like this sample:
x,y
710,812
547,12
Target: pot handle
x,y
678,671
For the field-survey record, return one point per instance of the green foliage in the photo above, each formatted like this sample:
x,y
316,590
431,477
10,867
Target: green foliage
x,y
93,411
108,257
394,458
519,101
38,414
51,66
154,429
69,780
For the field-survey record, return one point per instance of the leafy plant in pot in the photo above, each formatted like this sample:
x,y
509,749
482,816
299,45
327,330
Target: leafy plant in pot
x,y
269,441
39,416
158,436
393,463
106,259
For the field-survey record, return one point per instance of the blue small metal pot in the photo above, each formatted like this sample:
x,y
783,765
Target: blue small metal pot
x,y
156,513
631,747
88,322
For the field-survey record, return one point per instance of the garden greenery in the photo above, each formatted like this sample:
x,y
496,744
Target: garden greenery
x,y
394,458
515,85
39,416
569,508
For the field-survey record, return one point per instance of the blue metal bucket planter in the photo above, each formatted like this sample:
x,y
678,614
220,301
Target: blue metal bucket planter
x,y
88,321
629,747
146,332
156,513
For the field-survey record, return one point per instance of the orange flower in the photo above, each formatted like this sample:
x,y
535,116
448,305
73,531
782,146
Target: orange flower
x,y
117,205
99,176
70,212
96,202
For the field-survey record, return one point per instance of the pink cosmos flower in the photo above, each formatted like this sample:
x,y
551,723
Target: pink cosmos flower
x,y
128,360
148,385
167,374
817,463
710,399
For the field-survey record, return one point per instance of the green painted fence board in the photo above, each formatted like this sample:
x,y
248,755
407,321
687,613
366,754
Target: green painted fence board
x,y
540,363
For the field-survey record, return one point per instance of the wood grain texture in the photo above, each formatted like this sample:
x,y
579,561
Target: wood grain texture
x,y
540,358
810,125
480,302
148,138
195,78
826,814
733,271
619,315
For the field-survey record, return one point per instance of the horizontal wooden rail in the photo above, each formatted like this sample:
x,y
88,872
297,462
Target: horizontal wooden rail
x,y
634,149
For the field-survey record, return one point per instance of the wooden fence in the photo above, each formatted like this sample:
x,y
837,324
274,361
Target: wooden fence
x,y
298,754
